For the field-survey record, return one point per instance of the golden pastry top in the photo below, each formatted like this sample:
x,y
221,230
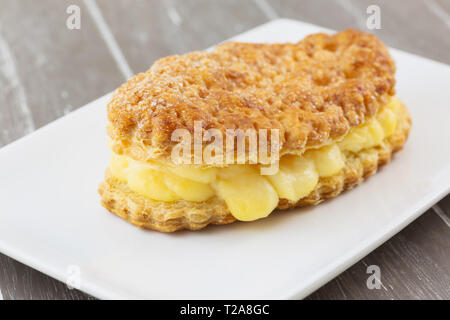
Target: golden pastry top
x,y
312,91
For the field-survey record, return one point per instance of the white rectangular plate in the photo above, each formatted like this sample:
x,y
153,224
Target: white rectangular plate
x,y
51,218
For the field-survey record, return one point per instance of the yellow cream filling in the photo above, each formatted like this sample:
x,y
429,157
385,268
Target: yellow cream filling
x,y
249,195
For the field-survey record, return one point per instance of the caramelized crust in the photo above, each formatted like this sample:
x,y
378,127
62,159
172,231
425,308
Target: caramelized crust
x,y
312,91
172,216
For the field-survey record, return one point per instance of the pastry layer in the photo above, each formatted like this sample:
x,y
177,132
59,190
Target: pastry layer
x,y
181,214
313,91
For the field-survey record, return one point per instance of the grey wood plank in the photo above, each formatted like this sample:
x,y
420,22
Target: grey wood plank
x,y
156,28
414,264
324,13
58,70
412,27
445,6
19,282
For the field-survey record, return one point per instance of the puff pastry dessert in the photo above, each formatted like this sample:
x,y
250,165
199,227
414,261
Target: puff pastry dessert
x,y
331,98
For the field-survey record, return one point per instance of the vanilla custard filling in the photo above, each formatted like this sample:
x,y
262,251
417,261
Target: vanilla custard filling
x,y
248,194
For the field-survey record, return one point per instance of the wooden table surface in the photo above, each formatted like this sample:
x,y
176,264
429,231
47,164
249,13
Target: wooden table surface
x,y
48,70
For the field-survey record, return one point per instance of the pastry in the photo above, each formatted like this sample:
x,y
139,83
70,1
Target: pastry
x,y
330,99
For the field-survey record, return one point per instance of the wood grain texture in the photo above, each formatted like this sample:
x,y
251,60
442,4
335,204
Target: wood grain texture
x,y
58,69
445,6
428,35
157,28
47,70
19,282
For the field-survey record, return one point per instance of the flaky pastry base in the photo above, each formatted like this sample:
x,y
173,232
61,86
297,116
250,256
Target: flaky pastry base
x,y
177,215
